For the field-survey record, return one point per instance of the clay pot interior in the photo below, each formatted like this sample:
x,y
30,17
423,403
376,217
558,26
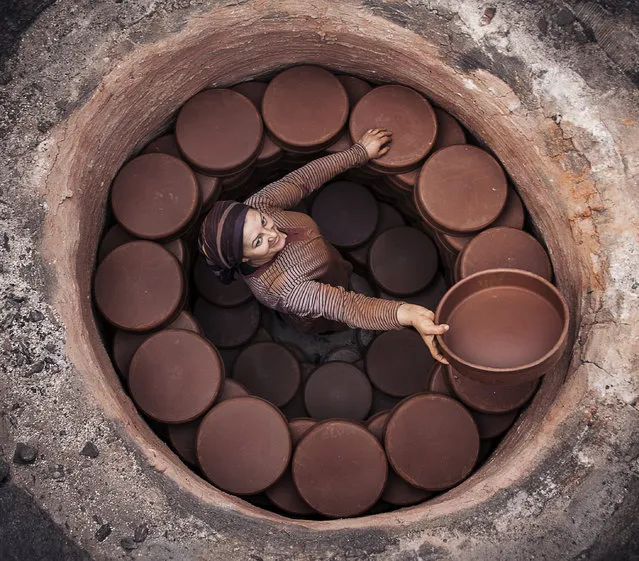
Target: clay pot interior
x,y
506,326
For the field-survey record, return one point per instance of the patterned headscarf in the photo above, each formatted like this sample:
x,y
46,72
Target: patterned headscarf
x,y
221,239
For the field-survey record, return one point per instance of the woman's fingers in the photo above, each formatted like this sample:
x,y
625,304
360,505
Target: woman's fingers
x,y
432,347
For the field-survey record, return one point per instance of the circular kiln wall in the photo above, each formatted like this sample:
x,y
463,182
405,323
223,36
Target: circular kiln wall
x,y
138,99
137,106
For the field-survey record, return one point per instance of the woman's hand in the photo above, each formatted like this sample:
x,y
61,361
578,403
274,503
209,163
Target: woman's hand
x,y
377,142
411,315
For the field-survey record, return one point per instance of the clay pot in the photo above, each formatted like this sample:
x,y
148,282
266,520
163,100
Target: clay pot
x,y
404,182
175,376
270,152
492,425
269,371
397,491
114,237
449,131
228,327
219,132
403,261
490,398
424,429
231,389
398,362
139,286
505,248
389,218
461,189
383,402
342,354
125,343
338,390
209,185
438,381
284,494
182,438
319,472
155,197
244,445
305,108
346,214
165,144
506,326
361,285
344,142
355,87
407,114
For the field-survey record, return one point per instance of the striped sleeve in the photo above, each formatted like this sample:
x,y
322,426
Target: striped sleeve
x,y
315,299
293,187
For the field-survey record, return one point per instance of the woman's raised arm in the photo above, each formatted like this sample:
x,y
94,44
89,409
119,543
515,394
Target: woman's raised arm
x,y
293,187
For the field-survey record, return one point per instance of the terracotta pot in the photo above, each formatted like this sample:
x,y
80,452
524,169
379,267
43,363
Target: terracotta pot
x,y
305,108
407,114
461,189
219,132
156,197
320,472
506,248
506,326
244,445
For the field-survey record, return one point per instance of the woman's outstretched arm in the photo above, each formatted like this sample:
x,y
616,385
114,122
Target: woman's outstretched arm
x,y
293,187
315,299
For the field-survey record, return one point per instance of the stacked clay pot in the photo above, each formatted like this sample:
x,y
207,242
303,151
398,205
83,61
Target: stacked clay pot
x,y
433,222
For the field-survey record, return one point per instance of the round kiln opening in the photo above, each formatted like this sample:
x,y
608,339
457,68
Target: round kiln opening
x,y
128,113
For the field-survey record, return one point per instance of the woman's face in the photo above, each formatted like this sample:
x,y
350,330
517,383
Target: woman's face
x,y
262,240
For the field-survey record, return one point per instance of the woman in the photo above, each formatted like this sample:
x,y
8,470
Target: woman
x,y
290,267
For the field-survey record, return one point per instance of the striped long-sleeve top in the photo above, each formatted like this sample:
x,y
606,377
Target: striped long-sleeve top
x,y
289,283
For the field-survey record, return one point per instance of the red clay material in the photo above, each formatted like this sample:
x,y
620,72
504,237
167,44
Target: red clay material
x,y
506,326
175,376
489,398
305,108
403,261
269,371
244,445
424,429
338,390
139,286
155,197
406,113
461,189
398,362
339,468
219,132
504,248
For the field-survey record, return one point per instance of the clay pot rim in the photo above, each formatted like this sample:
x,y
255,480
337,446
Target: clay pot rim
x,y
179,229
523,368
225,404
443,227
459,264
222,376
228,170
385,168
359,424
305,148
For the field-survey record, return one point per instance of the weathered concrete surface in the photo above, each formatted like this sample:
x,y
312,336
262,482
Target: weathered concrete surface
x,y
564,486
